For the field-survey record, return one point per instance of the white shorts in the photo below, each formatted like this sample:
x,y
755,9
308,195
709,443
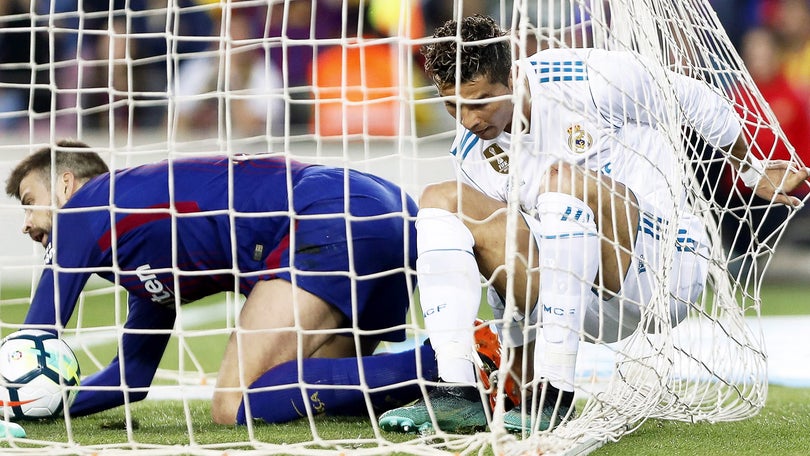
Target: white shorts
x,y
610,318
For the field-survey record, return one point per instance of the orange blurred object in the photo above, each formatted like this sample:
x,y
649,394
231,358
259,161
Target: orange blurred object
x,y
356,90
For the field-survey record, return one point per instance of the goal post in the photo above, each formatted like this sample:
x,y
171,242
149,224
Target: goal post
x,y
341,83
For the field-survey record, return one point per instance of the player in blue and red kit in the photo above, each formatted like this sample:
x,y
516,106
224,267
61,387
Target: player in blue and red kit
x,y
272,229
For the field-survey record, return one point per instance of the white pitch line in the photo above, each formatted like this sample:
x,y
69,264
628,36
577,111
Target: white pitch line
x,y
787,343
192,316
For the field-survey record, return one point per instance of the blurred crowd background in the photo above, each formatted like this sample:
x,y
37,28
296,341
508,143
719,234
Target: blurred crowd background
x,y
111,62
277,68
102,62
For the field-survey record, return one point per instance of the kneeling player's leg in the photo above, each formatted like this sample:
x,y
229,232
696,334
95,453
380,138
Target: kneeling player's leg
x,y
584,222
274,321
266,351
691,265
388,380
568,244
461,234
613,319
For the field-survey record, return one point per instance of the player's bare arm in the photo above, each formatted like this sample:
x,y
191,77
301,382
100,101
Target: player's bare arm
x,y
770,180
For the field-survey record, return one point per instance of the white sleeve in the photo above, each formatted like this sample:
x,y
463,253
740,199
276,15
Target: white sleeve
x,y
625,89
709,113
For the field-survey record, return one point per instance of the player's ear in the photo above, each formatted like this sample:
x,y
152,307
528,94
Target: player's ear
x,y
66,185
510,81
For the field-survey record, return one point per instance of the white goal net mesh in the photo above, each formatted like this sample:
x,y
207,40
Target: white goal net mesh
x,y
341,83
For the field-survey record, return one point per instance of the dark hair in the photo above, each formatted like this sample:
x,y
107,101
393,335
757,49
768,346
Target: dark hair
x,y
83,164
492,58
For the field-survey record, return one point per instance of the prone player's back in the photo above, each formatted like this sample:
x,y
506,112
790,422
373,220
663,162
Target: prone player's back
x,y
184,214
197,185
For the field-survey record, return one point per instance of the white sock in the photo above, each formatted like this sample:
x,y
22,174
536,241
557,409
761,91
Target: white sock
x,y
449,291
568,243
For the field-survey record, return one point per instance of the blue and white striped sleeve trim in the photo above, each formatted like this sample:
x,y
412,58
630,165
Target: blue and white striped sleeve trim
x,y
559,71
466,144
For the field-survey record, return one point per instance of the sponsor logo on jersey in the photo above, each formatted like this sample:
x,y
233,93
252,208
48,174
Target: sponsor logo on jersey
x,y
153,286
579,140
497,158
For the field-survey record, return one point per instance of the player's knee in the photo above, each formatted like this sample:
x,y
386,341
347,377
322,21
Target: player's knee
x,y
137,396
442,195
561,178
224,408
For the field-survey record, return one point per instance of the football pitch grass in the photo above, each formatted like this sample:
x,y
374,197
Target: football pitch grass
x,y
780,429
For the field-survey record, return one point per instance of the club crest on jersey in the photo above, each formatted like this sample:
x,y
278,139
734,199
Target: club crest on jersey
x,y
579,140
497,158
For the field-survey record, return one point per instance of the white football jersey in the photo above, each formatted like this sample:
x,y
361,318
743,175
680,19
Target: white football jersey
x,y
603,110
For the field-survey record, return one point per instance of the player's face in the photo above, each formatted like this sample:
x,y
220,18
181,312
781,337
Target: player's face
x,y
483,107
35,197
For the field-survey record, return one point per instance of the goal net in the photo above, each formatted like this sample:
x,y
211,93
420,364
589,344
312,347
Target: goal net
x,y
341,83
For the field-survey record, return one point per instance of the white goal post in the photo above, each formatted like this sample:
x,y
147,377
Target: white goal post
x,y
340,82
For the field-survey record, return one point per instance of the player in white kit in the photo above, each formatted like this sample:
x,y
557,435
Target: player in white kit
x,y
601,200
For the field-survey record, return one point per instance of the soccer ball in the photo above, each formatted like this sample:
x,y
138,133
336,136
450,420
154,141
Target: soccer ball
x,y
35,366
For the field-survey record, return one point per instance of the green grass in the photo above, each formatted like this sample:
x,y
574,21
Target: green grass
x,y
164,423
786,299
779,429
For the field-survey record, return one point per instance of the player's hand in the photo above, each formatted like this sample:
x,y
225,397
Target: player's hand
x,y
779,179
